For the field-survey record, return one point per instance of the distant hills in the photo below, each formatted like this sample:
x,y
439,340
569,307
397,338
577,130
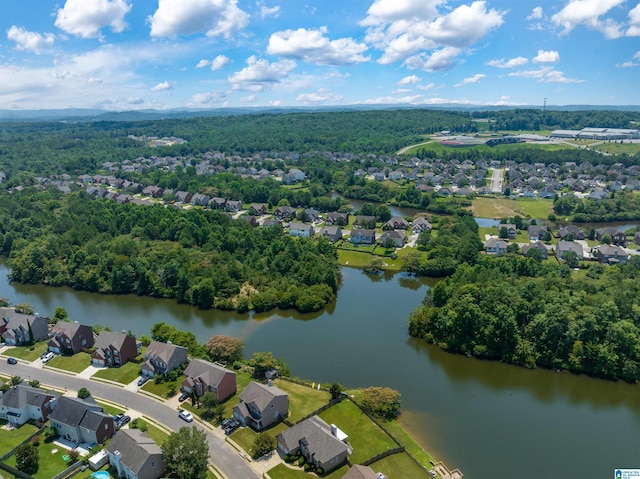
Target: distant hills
x,y
89,115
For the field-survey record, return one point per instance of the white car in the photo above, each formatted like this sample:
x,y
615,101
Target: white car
x,y
48,357
186,415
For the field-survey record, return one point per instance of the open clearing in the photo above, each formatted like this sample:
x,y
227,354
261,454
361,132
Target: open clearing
x,y
507,208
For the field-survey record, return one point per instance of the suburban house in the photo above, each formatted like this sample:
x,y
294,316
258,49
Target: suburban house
x,y
511,230
301,229
335,218
321,445
200,199
113,349
285,213
617,236
257,209
612,254
233,206
135,455
312,214
203,376
261,406
81,421
361,472
184,196
536,245
636,237
399,238
563,247
420,224
496,246
70,338
569,230
153,191
396,223
332,233
18,328
162,358
271,223
547,192
217,203
536,232
363,237
22,402
367,222
249,219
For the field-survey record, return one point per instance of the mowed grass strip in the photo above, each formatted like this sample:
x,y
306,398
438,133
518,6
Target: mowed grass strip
x,y
123,375
281,471
365,436
303,400
399,466
75,364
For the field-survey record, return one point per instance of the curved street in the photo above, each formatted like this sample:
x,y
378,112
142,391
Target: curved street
x,y
226,459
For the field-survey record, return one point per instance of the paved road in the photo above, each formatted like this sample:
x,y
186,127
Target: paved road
x,y
226,459
496,181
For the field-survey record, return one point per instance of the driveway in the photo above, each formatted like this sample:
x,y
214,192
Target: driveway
x,y
225,458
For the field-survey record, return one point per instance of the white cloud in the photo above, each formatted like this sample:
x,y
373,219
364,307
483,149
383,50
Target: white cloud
x,y
200,100
545,74
430,86
588,13
260,74
165,85
268,11
248,99
85,18
511,63
411,79
630,64
634,22
313,47
412,100
32,41
550,56
219,62
414,31
439,60
536,14
637,56
477,78
135,101
321,96
188,17
202,63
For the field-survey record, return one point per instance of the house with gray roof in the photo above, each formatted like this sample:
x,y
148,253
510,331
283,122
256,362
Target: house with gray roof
x,y
285,213
396,223
362,237
113,349
321,445
612,254
496,246
261,406
202,376
22,402
135,455
70,338
18,328
537,232
301,229
361,472
81,421
162,358
564,247
332,233
571,231
398,238
536,245
512,230
421,224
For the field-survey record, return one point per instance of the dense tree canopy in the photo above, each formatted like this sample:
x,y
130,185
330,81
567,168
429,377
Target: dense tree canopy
x,y
186,453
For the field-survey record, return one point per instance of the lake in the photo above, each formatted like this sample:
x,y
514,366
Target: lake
x,y
489,419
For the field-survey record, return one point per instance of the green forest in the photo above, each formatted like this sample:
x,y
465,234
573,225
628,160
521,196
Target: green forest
x,y
520,311
622,206
198,257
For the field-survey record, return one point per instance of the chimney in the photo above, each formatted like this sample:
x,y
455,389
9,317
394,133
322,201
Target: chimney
x,y
334,430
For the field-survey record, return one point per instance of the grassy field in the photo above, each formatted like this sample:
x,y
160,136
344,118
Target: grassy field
x,y
28,353
123,375
303,400
366,437
11,438
399,466
619,149
508,208
281,471
51,463
440,149
76,363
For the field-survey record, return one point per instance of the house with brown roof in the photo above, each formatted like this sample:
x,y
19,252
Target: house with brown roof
x,y
18,328
512,231
335,218
135,455
365,222
285,213
202,377
396,223
617,236
162,358
70,338
257,209
321,445
22,402
261,406
113,349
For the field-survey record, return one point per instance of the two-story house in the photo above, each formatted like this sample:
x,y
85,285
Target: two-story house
x,y
21,403
113,349
301,229
18,328
135,455
161,358
70,338
261,406
202,377
81,421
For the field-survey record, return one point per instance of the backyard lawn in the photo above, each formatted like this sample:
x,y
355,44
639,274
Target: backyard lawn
x,y
28,353
51,463
399,466
398,432
303,400
10,438
123,375
365,436
245,436
283,472
76,363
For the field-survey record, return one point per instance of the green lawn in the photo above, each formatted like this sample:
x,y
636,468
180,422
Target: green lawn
x,y
50,463
619,149
243,378
109,409
123,375
11,438
365,436
399,466
155,433
76,363
398,432
165,390
28,353
245,436
303,400
281,471
507,208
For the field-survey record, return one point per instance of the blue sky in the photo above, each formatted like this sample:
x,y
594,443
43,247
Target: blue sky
x,y
135,54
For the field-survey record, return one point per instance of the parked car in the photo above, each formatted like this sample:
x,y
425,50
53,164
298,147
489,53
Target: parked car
x,y
48,357
183,396
142,380
12,361
185,415
231,426
121,420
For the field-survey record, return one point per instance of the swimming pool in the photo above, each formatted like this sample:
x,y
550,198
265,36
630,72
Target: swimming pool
x,y
101,475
